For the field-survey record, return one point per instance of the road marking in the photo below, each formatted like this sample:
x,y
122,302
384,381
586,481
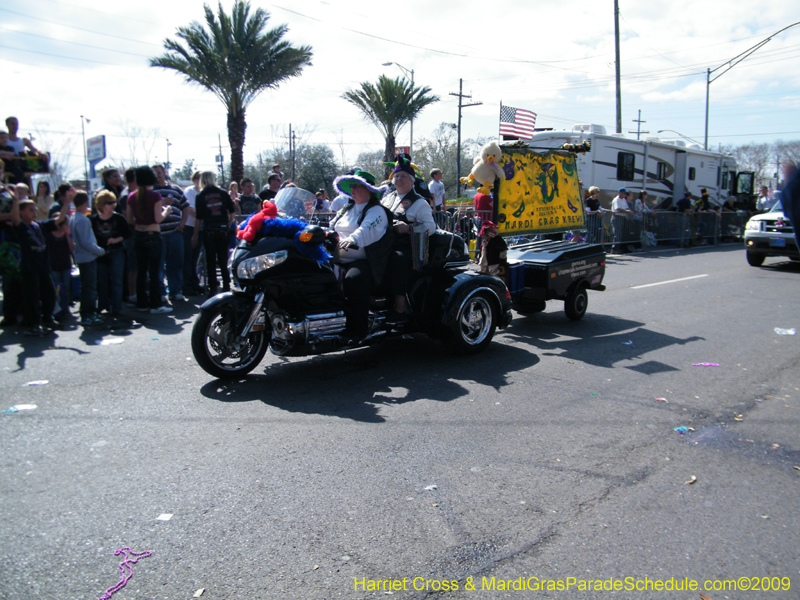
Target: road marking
x,y
638,287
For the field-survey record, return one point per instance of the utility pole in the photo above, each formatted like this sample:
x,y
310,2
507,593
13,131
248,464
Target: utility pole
x,y
616,45
291,138
461,105
639,126
85,160
730,64
221,161
168,163
292,149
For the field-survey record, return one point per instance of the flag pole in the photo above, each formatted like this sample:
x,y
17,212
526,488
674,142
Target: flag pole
x,y
499,117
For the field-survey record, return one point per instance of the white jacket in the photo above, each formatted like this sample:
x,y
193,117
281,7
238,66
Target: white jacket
x,y
416,210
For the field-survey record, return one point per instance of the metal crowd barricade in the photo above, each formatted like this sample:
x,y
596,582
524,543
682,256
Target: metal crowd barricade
x,y
706,227
595,228
731,226
444,220
647,229
656,227
670,227
626,229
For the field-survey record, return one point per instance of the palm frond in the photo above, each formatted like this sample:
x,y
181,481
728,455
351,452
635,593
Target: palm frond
x,y
391,103
234,55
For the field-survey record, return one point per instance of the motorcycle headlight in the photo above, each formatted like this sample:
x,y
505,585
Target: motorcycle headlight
x,y
251,267
753,225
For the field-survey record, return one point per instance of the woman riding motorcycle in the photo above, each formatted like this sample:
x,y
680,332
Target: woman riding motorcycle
x,y
364,244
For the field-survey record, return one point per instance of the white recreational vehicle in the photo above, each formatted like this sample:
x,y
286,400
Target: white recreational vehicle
x,y
665,169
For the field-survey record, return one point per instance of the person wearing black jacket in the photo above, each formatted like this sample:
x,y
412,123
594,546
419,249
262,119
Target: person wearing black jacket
x,y
215,213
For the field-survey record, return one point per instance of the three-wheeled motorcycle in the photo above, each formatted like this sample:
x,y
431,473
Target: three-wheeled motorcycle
x,y
287,299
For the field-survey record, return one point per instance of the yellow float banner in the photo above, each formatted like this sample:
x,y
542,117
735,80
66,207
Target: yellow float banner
x,y
539,194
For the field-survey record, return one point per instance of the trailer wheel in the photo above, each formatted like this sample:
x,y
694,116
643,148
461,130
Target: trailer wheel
x,y
528,307
576,303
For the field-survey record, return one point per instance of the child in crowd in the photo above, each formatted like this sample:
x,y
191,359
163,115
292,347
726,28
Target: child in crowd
x,y
39,296
60,247
86,253
9,260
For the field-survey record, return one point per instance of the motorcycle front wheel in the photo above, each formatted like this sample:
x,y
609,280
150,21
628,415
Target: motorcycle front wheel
x,y
219,349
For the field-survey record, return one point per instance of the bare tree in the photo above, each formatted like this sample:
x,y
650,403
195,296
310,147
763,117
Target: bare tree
x,y
140,142
370,161
340,143
787,150
62,153
754,157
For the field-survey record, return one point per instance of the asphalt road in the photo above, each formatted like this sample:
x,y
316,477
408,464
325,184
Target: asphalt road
x,y
549,456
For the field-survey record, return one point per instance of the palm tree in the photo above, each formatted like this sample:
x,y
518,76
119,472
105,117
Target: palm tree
x,y
389,105
236,59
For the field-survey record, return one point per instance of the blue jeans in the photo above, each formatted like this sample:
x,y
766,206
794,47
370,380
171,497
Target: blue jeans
x,y
110,271
88,288
148,258
172,258
62,280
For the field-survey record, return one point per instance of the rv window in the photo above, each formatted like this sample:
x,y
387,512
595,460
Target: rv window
x,y
724,185
692,173
661,171
625,166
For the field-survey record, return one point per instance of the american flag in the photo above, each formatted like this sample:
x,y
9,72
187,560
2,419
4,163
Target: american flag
x,y
517,122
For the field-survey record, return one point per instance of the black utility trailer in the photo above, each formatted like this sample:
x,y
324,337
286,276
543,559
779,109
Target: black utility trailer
x,y
551,270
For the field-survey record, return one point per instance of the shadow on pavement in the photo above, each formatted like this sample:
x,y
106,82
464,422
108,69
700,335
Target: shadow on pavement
x,y
355,384
599,340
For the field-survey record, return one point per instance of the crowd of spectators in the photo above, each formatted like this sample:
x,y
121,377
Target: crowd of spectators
x,y
63,249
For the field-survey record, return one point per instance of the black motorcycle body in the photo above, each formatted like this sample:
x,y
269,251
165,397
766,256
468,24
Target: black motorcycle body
x,y
293,305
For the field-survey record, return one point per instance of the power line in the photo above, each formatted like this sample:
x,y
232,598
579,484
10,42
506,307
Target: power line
x,y
52,39
94,9
60,56
118,37
646,44
444,52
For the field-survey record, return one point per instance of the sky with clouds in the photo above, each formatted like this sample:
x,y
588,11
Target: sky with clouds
x,y
64,59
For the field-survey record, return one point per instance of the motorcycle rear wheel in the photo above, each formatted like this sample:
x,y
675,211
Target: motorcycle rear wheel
x,y
220,351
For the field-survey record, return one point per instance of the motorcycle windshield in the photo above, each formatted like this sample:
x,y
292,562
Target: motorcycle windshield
x,y
294,202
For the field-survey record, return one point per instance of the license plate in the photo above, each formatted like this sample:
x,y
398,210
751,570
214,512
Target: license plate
x,y
777,242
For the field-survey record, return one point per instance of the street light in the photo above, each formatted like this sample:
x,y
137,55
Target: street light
x,y
168,165
732,64
406,72
680,134
85,159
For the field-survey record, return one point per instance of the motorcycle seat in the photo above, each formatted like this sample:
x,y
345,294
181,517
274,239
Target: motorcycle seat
x,y
444,247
